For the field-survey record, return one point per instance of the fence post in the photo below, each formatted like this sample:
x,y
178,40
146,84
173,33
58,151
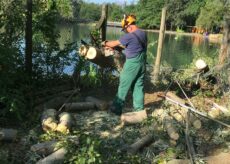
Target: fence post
x,y
156,70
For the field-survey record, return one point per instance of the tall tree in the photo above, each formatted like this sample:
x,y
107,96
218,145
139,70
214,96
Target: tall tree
x,y
28,38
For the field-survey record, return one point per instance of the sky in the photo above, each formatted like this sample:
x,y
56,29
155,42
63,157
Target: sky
x,y
121,2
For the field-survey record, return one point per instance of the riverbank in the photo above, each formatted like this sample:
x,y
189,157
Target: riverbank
x,y
213,38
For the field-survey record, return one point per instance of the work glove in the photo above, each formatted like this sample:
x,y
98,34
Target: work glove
x,y
103,43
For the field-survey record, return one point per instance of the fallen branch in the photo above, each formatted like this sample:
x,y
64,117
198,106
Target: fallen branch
x,y
79,106
100,104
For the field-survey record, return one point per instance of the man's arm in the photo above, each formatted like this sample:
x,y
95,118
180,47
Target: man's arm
x,y
112,44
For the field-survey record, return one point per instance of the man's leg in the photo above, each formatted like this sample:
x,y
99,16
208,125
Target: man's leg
x,y
138,92
127,78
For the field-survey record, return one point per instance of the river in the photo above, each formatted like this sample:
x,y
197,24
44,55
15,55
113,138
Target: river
x,y
178,51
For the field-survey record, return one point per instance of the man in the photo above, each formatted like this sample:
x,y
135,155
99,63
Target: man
x,y
132,75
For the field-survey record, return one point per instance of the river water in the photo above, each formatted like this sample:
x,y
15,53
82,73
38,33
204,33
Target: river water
x,y
178,51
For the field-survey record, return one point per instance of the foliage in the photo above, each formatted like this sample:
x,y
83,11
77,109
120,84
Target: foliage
x,y
212,14
149,13
115,12
86,152
90,12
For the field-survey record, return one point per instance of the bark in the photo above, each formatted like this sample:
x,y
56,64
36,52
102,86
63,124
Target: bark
x,y
100,104
133,117
8,134
44,148
103,21
55,158
79,106
135,147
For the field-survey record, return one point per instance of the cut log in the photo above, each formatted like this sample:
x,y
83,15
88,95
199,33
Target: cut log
x,y
55,158
8,134
45,148
100,104
102,57
170,128
48,119
135,147
97,56
65,122
80,106
133,117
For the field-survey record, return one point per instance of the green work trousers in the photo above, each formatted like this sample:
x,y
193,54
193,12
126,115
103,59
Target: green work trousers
x,y
131,77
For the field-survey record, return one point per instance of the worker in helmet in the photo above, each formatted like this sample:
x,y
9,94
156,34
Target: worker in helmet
x,y
132,76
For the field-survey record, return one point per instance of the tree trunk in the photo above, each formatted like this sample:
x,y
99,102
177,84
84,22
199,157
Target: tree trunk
x,y
28,38
102,23
225,47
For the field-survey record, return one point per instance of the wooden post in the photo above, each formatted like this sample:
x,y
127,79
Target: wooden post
x,y
225,47
160,46
103,21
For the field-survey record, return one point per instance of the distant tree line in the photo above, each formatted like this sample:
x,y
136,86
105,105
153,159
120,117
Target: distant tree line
x,y
207,14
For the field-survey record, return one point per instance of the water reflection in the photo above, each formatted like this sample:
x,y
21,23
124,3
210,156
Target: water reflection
x,y
178,50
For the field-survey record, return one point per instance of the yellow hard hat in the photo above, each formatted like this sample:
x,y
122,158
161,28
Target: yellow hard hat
x,y
127,20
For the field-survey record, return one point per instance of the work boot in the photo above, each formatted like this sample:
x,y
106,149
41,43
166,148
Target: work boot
x,y
114,110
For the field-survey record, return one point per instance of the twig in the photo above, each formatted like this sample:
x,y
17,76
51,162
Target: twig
x,y
59,110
